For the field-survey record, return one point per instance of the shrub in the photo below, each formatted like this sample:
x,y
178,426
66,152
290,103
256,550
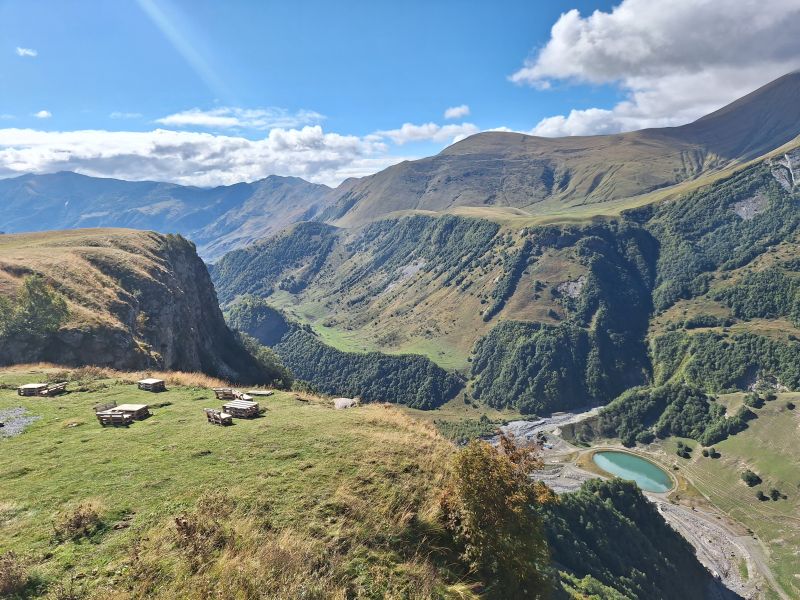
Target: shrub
x,y
706,452
754,400
13,575
750,478
490,509
775,494
790,405
82,521
761,496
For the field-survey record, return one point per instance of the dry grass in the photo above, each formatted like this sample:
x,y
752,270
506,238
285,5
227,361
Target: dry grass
x,y
13,575
79,521
92,373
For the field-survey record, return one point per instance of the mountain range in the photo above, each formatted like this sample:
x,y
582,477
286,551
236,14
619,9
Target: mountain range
x,y
495,174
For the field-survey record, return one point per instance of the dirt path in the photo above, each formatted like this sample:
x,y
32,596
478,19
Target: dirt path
x,y
720,549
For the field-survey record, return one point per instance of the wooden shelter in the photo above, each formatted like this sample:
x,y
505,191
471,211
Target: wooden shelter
x,y
217,417
151,385
31,389
241,409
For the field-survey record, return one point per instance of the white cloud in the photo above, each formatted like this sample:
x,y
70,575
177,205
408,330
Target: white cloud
x,y
192,157
457,112
27,52
675,61
43,114
427,132
125,115
231,117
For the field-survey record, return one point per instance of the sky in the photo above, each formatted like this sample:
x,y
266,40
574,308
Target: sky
x,y
211,93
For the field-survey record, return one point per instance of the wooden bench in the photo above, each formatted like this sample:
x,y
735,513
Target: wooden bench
x,y
103,407
225,393
53,389
217,417
114,419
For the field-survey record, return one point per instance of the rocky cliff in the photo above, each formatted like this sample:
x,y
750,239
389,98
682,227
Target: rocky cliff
x,y
135,300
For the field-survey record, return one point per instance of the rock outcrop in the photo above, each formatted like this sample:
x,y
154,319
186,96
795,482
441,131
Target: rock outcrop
x,y
136,300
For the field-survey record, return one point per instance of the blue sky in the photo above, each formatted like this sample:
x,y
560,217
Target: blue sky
x,y
332,83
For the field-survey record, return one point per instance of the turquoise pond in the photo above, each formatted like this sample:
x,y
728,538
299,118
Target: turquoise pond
x,y
647,476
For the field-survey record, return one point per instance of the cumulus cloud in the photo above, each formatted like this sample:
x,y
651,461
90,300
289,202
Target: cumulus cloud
x,y
675,61
427,132
457,112
232,117
192,157
27,52
43,114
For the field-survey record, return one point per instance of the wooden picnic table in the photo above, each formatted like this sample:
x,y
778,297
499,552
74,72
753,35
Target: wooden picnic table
x,y
31,389
151,385
137,411
241,409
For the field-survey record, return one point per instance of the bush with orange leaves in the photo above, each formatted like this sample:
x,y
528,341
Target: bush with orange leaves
x,y
490,507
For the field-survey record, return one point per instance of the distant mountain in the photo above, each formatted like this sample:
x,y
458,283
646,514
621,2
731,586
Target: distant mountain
x,y
520,171
490,173
216,219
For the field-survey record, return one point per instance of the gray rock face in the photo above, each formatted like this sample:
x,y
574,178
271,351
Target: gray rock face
x,y
750,207
786,169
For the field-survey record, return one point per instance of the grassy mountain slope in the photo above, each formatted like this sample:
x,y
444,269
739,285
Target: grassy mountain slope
x,y
216,219
306,501
546,317
436,285
523,172
134,300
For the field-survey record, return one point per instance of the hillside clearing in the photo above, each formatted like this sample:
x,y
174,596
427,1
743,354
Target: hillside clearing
x,y
315,474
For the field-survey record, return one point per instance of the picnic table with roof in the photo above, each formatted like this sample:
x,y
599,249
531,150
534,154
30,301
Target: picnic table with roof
x,y
241,409
151,384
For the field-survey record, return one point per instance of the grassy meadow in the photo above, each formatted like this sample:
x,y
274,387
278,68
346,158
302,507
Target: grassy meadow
x,y
306,500
769,448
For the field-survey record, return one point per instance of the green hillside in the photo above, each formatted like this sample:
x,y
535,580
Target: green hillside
x,y
305,501
543,318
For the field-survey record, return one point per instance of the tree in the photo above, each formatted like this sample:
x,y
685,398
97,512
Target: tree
x,y
491,509
750,478
269,361
37,311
